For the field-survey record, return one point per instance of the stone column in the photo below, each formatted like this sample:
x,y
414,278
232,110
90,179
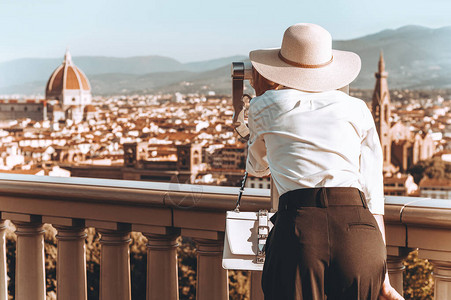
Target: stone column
x,y
3,274
256,285
71,263
162,274
115,265
30,263
395,272
212,279
442,279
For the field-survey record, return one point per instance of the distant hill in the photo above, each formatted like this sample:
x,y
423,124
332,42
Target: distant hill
x,y
416,57
30,73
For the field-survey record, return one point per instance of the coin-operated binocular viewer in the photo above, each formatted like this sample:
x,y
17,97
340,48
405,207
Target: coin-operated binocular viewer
x,y
240,71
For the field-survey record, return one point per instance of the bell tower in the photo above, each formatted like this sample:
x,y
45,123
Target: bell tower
x,y
381,110
189,161
189,157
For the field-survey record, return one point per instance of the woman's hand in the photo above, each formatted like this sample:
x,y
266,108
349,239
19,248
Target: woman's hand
x,y
388,292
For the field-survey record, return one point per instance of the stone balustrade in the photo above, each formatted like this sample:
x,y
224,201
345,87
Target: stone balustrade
x,y
162,212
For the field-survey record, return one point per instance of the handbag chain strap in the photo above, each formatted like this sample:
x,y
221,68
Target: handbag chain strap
x,y
238,202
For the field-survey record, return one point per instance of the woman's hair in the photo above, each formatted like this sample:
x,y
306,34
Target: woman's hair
x,y
261,84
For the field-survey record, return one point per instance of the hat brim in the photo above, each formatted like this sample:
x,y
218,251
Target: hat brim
x,y
343,69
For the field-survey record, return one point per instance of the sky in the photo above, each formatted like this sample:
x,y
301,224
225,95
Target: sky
x,y
192,30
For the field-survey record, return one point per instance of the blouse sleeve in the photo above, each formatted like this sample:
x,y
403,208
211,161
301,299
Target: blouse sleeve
x,y
257,162
371,164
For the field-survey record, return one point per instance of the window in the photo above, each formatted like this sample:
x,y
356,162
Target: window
x,y
260,185
386,113
252,185
196,157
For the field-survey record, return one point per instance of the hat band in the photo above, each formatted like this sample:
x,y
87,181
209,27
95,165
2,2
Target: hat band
x,y
296,64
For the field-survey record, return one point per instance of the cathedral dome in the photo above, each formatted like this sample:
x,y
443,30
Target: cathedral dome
x,y
70,86
66,77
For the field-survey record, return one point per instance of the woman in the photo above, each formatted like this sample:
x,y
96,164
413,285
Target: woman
x,y
322,150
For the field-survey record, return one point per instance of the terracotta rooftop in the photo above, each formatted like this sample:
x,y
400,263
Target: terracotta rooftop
x,y
433,182
29,172
395,179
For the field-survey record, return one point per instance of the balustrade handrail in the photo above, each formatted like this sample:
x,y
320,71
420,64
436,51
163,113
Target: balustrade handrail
x,y
418,211
163,211
404,210
131,192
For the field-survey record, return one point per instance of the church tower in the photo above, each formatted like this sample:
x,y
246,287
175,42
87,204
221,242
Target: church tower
x,y
381,111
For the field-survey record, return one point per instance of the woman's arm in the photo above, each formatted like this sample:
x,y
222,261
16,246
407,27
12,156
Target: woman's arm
x,y
371,162
387,291
256,162
380,223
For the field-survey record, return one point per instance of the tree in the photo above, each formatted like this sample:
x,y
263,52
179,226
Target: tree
x,y
418,281
434,168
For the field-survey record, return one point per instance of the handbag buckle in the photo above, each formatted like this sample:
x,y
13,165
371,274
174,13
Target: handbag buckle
x,y
262,235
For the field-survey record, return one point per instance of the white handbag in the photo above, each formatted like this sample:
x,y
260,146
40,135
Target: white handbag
x,y
245,237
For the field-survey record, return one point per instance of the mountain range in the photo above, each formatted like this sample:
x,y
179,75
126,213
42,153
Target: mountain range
x,y
416,57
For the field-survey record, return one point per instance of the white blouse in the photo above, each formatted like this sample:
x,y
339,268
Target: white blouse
x,y
307,140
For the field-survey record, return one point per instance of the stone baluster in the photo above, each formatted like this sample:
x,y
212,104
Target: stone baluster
x,y
71,263
162,271
212,279
395,272
256,285
3,274
115,265
442,279
30,263
396,268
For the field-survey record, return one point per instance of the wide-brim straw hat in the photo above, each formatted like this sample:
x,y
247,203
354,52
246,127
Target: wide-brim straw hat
x,y
306,61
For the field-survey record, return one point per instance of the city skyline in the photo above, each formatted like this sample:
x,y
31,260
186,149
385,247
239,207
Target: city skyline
x,y
191,31
116,181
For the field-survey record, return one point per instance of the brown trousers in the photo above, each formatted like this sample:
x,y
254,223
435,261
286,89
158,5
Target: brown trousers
x,y
325,244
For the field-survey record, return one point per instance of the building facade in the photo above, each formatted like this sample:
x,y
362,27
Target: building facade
x,y
258,182
13,109
435,188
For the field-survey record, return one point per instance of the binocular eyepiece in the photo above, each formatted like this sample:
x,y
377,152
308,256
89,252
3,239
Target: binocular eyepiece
x,y
241,70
